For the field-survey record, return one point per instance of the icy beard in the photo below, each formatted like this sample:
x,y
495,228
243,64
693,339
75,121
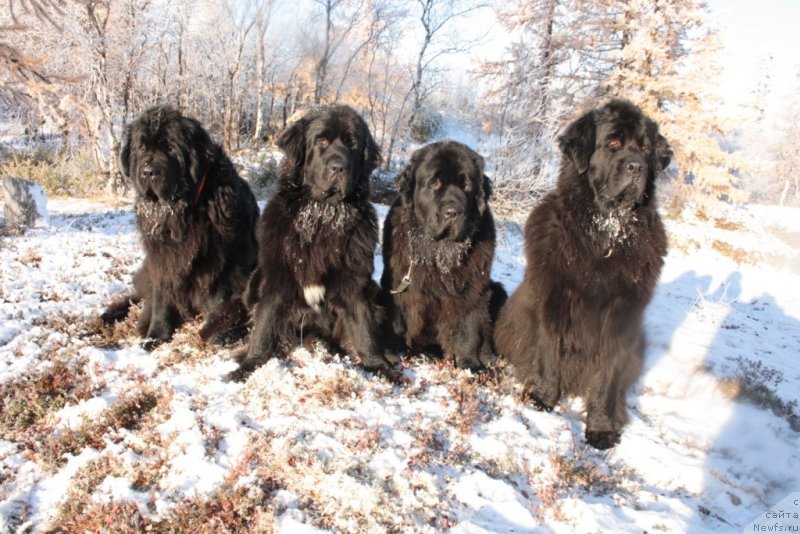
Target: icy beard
x,y
616,226
160,220
444,255
316,217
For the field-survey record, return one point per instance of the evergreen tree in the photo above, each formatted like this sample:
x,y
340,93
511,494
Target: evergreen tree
x,y
665,60
533,91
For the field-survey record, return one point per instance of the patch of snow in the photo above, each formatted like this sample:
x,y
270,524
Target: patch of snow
x,y
347,450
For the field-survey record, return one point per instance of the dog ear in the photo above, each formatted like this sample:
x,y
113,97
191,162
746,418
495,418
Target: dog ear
x,y
480,164
660,156
487,187
577,141
125,153
371,155
486,184
406,179
405,184
662,153
202,151
292,141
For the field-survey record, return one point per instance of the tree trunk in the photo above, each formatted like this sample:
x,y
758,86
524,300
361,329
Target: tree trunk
x,y
261,84
321,68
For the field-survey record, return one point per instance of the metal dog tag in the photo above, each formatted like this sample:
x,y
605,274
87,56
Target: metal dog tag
x,y
403,285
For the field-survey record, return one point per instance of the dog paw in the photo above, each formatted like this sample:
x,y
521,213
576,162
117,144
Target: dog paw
x,y
314,295
375,362
113,315
602,439
384,368
118,310
538,403
247,364
225,338
245,369
238,375
473,364
158,333
232,336
149,344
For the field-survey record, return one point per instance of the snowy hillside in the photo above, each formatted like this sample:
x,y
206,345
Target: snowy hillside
x,y
96,433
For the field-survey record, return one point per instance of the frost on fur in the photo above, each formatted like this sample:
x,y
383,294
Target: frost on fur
x,y
314,295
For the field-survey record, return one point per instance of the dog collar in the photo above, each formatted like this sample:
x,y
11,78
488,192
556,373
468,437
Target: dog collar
x,y
404,284
200,187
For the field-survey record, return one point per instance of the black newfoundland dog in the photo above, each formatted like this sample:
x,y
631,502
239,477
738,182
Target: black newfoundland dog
x,y
196,218
594,249
317,239
438,247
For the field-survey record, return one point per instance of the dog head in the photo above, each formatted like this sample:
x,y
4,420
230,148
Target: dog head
x,y
166,155
330,153
445,186
619,152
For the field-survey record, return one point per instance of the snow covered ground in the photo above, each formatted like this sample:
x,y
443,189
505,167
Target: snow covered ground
x,y
96,433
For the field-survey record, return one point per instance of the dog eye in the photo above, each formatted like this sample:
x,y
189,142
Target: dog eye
x,y
323,142
645,148
615,144
436,184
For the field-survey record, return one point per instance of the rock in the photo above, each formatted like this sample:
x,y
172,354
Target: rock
x,y
25,203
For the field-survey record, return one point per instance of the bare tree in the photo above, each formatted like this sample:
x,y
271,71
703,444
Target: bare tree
x,y
26,80
378,16
241,26
388,88
341,18
132,55
262,17
435,16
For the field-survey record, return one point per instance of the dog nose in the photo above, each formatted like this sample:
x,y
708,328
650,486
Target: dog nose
x,y
451,212
148,172
634,167
336,166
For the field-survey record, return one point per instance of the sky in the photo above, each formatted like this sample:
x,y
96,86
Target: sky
x,y
759,36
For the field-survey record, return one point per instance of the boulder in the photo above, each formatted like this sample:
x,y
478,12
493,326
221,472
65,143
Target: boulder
x,y
25,203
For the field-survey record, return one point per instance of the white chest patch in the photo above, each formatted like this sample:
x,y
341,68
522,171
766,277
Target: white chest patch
x,y
314,295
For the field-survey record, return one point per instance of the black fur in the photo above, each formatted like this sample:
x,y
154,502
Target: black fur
x,y
196,218
319,231
442,227
594,249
